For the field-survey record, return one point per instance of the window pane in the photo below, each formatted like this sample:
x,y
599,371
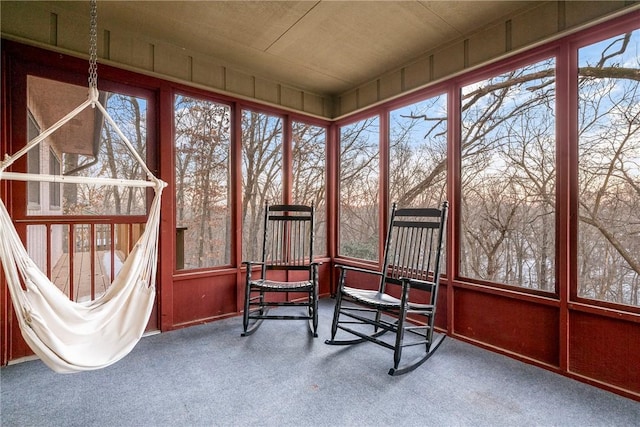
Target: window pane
x,y
89,146
261,175
81,256
359,189
508,178
418,160
202,143
309,166
33,166
609,170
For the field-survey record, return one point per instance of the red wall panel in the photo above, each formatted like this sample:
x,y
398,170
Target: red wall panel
x,y
441,307
605,349
324,278
522,327
204,298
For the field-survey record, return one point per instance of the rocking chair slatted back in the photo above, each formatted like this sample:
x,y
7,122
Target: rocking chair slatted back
x,y
288,238
411,246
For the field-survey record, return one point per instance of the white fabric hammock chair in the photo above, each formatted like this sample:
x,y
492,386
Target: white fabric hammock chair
x,y
66,335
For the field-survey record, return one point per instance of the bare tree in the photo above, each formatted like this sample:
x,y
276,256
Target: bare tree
x,y
359,189
418,157
261,174
508,145
309,170
202,167
609,171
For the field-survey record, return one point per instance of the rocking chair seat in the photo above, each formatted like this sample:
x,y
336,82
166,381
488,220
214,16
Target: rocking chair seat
x,y
372,297
381,300
274,285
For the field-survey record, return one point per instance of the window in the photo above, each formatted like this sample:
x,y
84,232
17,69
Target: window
x,y
88,146
608,249
508,178
203,215
418,154
81,255
261,175
359,189
309,170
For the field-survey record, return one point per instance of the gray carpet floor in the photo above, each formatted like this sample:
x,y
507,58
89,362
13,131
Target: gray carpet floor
x,y
208,375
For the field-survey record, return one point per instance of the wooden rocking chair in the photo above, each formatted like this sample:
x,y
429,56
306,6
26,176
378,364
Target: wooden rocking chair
x,y
287,266
411,262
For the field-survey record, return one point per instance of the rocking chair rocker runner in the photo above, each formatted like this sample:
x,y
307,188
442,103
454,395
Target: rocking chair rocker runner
x,y
411,263
287,266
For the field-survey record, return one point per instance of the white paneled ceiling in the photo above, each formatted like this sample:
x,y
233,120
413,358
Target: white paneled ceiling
x,y
326,47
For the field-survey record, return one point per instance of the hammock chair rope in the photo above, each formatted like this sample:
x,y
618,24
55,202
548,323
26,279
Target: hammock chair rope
x,y
69,336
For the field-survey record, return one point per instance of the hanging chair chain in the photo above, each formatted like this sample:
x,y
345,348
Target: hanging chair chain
x,y
93,46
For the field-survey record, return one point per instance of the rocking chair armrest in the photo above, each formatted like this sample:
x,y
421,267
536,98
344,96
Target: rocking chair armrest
x,y
358,269
249,265
313,266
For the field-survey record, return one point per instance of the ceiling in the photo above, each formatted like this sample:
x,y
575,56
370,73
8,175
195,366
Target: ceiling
x,y
325,47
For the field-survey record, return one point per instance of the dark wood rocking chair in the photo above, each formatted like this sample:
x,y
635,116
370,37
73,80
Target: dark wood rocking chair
x,y
287,266
411,262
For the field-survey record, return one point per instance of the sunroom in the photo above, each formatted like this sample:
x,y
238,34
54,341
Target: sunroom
x,y
523,116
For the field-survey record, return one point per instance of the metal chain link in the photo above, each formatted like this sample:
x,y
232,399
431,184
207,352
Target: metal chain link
x,y
93,46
